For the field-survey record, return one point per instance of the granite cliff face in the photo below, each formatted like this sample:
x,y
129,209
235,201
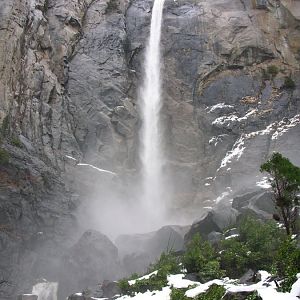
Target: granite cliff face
x,y
69,77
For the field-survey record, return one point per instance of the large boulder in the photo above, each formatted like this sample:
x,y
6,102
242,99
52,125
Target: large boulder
x,y
139,250
91,260
203,227
215,220
258,204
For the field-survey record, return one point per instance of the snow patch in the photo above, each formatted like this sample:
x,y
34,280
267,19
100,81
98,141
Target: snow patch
x,y
98,169
236,152
132,282
178,282
218,106
232,236
264,183
265,288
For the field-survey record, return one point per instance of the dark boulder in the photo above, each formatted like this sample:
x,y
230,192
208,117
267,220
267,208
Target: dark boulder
x,y
110,289
214,237
258,204
203,227
250,277
92,259
139,250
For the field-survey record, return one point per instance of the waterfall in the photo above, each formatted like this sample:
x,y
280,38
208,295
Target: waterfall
x,y
150,100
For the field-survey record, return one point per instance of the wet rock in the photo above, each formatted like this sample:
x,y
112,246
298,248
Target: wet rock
x,y
110,289
259,204
203,227
139,250
215,237
249,277
92,259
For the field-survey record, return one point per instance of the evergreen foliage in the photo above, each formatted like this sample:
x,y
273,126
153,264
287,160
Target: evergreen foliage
x,y
285,182
289,83
254,248
201,258
4,156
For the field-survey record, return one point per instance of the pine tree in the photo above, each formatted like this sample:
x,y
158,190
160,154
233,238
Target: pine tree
x,y
285,182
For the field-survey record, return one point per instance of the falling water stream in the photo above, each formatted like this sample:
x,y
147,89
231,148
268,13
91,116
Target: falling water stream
x,y
151,151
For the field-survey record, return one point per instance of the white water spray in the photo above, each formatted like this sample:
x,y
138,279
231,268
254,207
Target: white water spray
x,y
151,153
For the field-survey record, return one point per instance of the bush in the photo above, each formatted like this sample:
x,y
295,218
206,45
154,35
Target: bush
x,y
4,156
255,247
5,126
167,264
178,294
201,258
272,70
289,83
287,264
234,257
215,292
112,5
15,141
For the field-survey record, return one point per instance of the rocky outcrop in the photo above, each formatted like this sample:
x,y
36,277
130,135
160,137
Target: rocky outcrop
x,y
140,250
91,260
69,77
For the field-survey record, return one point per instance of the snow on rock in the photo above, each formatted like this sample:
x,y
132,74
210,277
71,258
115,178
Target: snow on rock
x,y
285,125
295,291
132,282
178,282
218,107
232,236
264,183
164,294
266,289
215,140
229,120
235,153
226,121
202,288
270,293
275,130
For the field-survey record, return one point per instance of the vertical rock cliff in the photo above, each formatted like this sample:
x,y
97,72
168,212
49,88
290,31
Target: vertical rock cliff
x,y
69,72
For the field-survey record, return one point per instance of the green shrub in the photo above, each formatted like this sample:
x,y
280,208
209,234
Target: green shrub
x,y
4,156
289,83
15,141
167,264
253,296
201,258
287,263
272,70
112,5
5,126
215,292
234,257
255,247
154,283
178,294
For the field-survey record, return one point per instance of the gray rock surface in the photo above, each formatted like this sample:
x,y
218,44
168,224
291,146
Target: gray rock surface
x,y
91,260
69,77
139,250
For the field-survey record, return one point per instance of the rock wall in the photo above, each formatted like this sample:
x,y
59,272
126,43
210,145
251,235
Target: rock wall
x,y
69,77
